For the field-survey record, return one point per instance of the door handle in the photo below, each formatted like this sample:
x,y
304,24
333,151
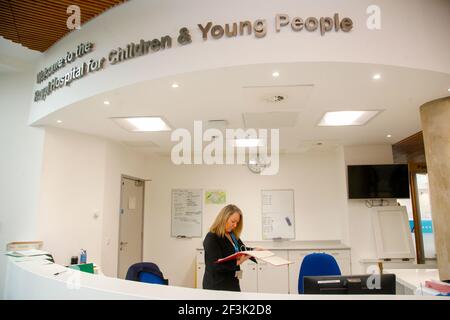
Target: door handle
x,y
122,244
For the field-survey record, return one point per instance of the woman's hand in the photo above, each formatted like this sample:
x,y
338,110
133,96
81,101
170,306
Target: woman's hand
x,y
241,259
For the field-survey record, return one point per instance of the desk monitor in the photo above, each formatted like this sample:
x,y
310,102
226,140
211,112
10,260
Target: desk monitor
x,y
355,284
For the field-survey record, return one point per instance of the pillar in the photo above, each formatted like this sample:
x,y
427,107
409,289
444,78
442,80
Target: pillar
x,y
435,118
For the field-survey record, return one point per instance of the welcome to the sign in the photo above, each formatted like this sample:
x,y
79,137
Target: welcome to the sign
x,y
208,30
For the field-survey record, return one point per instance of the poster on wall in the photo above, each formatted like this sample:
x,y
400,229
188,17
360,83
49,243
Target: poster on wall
x,y
278,214
187,213
215,197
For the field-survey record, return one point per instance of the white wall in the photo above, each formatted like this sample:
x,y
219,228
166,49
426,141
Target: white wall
x,y
320,204
20,164
413,34
71,191
81,177
120,160
362,240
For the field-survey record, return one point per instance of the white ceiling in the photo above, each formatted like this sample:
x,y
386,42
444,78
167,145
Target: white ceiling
x,y
16,58
309,89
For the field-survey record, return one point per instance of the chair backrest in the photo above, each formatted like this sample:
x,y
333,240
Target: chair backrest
x,y
147,272
317,264
148,277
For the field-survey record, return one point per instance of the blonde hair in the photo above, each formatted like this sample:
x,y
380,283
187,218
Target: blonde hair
x,y
218,227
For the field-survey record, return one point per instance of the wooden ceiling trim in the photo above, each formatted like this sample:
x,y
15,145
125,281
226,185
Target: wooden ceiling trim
x,y
47,7
38,24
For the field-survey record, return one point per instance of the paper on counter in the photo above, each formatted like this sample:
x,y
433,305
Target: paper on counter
x,y
27,253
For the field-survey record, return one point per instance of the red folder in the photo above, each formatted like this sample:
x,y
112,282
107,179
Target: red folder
x,y
231,257
438,286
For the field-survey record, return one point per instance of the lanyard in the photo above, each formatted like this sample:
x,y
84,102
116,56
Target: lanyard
x,y
235,242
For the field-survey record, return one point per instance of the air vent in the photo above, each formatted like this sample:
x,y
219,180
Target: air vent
x,y
217,124
276,98
283,96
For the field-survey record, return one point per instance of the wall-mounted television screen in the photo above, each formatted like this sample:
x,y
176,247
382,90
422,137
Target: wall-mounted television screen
x,y
378,181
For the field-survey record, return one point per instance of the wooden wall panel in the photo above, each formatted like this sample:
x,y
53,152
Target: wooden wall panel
x,y
409,150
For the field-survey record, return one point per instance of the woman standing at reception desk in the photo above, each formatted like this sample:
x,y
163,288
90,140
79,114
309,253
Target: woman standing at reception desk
x,y
221,241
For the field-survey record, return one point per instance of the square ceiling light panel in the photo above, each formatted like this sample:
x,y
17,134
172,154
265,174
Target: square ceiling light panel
x,y
141,144
142,124
347,118
248,142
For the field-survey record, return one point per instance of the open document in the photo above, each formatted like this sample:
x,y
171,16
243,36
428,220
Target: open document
x,y
263,255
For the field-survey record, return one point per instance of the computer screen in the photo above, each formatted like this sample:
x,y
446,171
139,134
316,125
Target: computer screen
x,y
354,284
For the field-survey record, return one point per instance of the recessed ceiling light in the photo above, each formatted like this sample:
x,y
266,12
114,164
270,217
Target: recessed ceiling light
x,y
248,143
347,118
448,89
389,135
275,74
175,85
142,124
59,121
106,102
376,76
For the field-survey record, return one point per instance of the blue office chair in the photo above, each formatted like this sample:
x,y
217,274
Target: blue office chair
x,y
146,272
317,264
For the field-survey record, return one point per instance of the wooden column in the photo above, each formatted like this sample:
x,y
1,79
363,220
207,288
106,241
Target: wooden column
x,y
435,118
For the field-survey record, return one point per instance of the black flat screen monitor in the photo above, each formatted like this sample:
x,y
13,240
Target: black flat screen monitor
x,y
354,284
378,181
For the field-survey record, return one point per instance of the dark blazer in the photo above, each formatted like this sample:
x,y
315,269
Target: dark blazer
x,y
220,276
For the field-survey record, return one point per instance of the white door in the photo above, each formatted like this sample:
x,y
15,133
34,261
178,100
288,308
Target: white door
x,y
343,260
200,274
200,269
249,281
131,224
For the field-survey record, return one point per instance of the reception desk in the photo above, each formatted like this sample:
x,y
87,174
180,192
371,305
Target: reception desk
x,y
412,281
43,280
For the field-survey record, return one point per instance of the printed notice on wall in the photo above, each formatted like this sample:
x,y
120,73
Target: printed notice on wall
x,y
215,197
278,214
186,213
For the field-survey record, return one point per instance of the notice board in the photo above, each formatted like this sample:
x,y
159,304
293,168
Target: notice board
x,y
187,213
278,214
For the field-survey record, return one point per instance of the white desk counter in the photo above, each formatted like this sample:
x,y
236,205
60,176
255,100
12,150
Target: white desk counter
x,y
408,280
296,245
37,280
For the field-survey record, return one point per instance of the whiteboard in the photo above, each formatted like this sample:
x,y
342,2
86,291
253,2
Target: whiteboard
x,y
187,213
278,215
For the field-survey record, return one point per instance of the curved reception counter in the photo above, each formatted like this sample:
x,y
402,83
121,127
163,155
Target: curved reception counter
x,y
45,280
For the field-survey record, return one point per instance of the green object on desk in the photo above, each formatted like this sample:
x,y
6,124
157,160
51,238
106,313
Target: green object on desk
x,y
84,267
